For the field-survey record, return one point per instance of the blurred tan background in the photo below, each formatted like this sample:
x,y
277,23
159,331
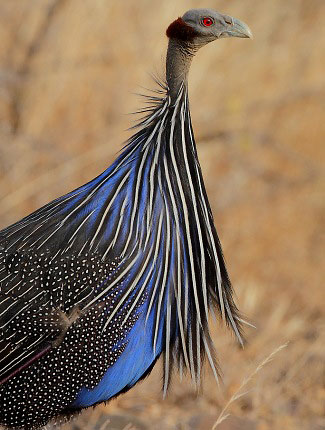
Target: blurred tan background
x,y
68,71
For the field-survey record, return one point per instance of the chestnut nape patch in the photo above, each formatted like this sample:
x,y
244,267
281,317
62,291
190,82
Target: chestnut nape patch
x,y
180,30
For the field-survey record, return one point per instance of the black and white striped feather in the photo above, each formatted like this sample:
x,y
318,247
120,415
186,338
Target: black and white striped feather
x,y
144,227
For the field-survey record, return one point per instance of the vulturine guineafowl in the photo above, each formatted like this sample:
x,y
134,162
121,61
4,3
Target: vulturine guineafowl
x,y
98,284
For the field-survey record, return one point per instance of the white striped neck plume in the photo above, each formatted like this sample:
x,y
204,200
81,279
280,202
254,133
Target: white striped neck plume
x,y
98,284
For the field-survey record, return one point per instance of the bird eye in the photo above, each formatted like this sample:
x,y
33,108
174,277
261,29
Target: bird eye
x,y
207,22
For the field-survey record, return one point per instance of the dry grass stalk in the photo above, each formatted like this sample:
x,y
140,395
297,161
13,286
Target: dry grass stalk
x,y
105,425
238,393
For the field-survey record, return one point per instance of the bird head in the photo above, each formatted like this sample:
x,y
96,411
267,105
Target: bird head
x,y
201,26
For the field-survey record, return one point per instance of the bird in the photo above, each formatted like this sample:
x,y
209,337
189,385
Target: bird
x,y
100,283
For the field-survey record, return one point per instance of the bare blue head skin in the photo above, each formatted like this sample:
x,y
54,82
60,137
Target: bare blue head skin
x,y
187,34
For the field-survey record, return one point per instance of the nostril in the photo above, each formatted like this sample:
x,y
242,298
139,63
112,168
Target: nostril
x,y
229,20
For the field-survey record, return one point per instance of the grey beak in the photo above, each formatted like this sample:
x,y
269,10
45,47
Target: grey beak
x,y
239,29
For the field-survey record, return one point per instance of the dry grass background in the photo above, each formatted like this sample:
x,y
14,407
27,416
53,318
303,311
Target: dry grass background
x,y
67,72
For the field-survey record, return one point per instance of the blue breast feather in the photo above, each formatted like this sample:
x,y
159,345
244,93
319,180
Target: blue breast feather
x,y
133,363
144,214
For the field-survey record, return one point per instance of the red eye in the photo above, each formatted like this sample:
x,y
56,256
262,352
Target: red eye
x,y
207,22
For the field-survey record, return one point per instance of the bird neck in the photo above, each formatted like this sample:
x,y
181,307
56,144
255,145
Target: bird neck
x,y
178,62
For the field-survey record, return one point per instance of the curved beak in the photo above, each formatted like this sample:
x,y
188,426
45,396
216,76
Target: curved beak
x,y
237,29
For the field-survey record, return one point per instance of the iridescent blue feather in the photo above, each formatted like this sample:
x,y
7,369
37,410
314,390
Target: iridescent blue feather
x,y
149,214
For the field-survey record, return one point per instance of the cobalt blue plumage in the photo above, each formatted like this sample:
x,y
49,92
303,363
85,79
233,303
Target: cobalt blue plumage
x,y
97,284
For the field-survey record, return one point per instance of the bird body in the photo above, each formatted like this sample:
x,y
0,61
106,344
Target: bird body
x,y
98,284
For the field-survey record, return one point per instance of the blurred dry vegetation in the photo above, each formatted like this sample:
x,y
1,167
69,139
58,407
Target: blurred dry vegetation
x,y
67,72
